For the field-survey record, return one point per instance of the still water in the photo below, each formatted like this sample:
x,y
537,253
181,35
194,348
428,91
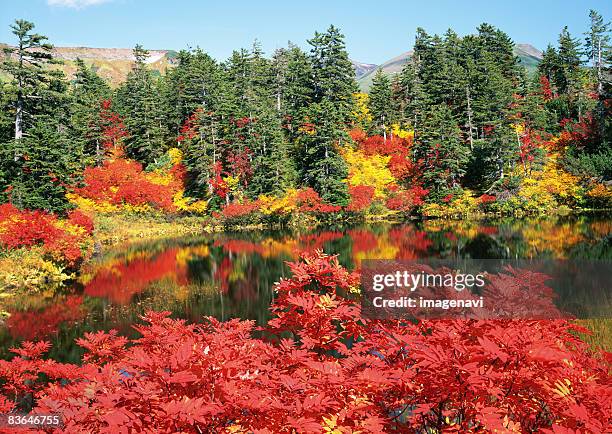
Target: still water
x,y
231,275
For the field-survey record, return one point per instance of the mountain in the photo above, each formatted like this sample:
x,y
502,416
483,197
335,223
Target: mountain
x,y
112,64
528,55
362,69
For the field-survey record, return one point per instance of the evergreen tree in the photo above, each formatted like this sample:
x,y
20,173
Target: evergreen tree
x,y
25,63
567,78
197,82
380,103
139,102
597,47
322,167
334,77
441,150
549,65
40,160
88,92
298,88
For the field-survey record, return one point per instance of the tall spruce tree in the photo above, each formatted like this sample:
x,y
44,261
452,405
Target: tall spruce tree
x,y
139,101
25,63
334,76
380,104
322,167
88,92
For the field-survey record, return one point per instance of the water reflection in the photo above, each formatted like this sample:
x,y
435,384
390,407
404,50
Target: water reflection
x,y
230,275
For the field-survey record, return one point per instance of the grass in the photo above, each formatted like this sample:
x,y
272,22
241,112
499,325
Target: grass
x,y
119,228
602,332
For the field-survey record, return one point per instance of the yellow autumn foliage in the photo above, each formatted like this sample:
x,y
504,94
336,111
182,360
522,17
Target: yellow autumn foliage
x,y
397,131
550,187
362,112
370,170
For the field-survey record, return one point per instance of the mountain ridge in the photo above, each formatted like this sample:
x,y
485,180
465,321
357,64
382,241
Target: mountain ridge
x,y
528,55
113,64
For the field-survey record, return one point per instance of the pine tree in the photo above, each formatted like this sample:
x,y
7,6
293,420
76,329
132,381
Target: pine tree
x,y
549,65
441,149
197,82
40,160
298,88
334,77
139,102
88,92
567,78
380,103
271,166
322,167
597,47
26,64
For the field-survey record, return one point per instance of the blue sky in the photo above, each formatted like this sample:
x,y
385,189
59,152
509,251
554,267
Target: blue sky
x,y
375,30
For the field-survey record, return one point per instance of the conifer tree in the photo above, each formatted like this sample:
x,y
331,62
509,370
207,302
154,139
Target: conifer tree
x,y
334,77
380,104
88,92
25,63
298,88
322,166
139,102
39,161
567,77
441,149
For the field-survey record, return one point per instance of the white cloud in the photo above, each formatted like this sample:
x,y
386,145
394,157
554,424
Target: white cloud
x,y
76,4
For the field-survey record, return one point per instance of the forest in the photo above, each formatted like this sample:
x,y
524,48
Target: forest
x,y
464,132
462,123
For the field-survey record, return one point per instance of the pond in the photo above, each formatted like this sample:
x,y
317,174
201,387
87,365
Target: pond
x,y
230,275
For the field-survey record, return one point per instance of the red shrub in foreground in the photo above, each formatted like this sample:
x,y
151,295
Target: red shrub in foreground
x,y
339,373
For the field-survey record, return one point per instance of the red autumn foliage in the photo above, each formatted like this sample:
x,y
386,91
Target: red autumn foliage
x,y
579,133
332,369
309,200
218,184
113,128
122,181
234,210
239,164
487,198
78,218
448,198
190,127
24,228
399,149
546,90
406,200
530,143
361,197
